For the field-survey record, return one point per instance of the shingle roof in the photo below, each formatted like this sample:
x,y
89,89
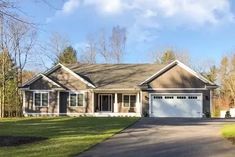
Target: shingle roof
x,y
112,76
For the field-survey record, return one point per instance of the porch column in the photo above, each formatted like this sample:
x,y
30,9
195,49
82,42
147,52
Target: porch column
x,y
93,101
116,103
58,102
138,103
24,99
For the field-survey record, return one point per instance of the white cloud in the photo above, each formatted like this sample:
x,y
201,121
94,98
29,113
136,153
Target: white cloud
x,y
106,6
70,6
146,15
198,12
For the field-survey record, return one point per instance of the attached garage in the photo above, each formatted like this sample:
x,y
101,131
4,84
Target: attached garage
x,y
176,105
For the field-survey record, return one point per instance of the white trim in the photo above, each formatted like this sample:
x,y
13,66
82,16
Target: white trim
x,y
41,98
96,114
58,101
38,76
23,89
117,89
100,102
41,90
211,98
116,103
77,93
50,80
141,102
76,75
176,62
54,68
92,101
137,104
176,89
129,100
159,72
24,99
150,100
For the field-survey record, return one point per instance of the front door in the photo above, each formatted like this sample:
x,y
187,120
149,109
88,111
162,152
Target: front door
x,y
63,102
106,102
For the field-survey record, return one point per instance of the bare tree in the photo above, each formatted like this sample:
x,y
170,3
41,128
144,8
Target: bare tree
x,y
103,48
21,43
56,45
17,40
117,42
90,52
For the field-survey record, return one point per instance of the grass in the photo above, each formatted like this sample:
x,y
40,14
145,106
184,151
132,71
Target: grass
x,y
228,131
67,136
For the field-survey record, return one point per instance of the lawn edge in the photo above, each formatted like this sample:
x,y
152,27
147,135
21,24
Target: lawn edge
x,y
128,126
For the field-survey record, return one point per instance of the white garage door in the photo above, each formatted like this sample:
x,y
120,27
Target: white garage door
x,y
176,105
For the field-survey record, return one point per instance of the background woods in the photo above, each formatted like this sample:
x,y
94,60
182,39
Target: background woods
x,y
17,38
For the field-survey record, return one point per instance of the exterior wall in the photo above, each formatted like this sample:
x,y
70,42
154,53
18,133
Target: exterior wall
x,y
67,80
176,77
42,84
51,109
87,108
145,102
53,104
205,94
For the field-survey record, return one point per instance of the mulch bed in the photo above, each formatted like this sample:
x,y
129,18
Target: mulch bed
x,y
232,139
7,141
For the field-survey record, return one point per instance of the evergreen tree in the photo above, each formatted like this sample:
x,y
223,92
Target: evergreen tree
x,y
8,86
68,56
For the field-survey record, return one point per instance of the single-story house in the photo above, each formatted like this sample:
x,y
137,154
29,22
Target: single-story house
x,y
154,90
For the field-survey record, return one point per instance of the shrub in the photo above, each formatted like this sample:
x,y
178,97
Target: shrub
x,y
227,114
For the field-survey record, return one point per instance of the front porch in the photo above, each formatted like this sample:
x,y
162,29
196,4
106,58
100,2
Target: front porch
x,y
107,103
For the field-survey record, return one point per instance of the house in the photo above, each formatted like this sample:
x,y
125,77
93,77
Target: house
x,y
172,90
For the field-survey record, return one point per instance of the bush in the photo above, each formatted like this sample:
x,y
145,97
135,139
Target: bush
x,y
207,114
227,114
146,114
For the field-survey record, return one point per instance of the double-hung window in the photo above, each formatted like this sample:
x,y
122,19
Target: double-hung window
x,y
129,100
76,99
41,99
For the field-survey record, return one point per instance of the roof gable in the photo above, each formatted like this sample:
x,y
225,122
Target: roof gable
x,y
176,77
171,65
51,70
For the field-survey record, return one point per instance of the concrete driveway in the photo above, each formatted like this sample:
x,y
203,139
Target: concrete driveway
x,y
167,137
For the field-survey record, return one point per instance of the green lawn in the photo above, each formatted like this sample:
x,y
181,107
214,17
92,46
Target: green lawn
x,y
228,131
67,136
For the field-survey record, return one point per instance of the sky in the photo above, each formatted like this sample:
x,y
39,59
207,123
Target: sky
x,y
204,29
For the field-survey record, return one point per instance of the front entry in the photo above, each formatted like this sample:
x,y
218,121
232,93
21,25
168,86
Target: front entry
x,y
63,102
105,102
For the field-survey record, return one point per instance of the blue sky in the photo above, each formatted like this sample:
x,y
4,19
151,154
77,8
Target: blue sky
x,y
205,29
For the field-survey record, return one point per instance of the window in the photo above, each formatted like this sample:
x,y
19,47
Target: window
x,y
181,97
129,100
157,97
76,99
169,97
41,99
192,97
73,99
